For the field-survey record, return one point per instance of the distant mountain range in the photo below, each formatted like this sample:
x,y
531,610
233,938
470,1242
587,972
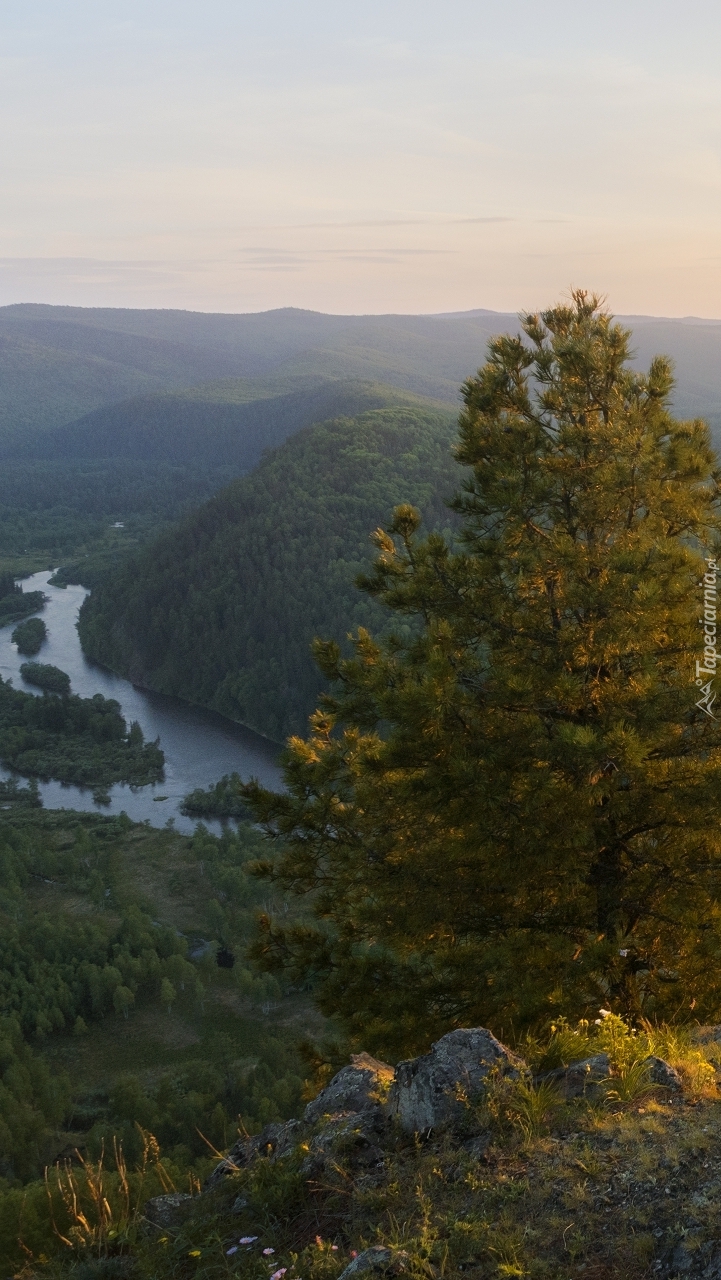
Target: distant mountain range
x,y
60,364
320,424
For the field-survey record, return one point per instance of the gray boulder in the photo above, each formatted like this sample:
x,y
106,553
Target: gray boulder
x,y
361,1086
660,1072
477,1147
350,1140
585,1076
379,1261
681,1259
275,1141
580,1078
167,1211
427,1091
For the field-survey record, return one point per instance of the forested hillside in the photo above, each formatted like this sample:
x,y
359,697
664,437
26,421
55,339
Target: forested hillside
x,y
115,415
226,424
58,509
222,610
114,1010
506,822
147,461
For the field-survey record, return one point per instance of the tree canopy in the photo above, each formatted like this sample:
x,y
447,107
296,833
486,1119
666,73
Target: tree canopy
x,y
507,810
222,610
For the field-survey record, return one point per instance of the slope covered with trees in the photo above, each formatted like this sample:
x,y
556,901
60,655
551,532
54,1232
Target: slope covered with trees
x,y
505,812
59,363
508,810
102,981
227,424
222,611
147,461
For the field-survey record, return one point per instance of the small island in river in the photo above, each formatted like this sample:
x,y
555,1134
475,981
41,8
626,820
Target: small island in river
x,y
84,741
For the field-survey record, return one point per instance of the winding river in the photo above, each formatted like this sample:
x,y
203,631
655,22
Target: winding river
x,y
199,745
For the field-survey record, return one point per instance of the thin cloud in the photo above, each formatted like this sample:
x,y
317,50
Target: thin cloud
x,y
390,222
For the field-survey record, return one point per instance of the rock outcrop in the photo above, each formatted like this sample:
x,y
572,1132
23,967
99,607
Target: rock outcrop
x,y
582,1078
360,1101
167,1211
274,1141
355,1102
351,1138
361,1086
706,1034
429,1091
348,1119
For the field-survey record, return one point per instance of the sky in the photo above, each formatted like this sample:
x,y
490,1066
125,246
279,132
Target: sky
x,y
383,156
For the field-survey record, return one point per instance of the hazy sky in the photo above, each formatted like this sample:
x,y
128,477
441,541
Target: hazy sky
x,y
389,155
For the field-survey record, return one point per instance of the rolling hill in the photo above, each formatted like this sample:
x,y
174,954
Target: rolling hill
x,y
147,461
227,424
222,610
59,364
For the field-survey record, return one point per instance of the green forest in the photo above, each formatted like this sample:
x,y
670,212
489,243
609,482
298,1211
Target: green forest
x,y
16,603
498,828
85,961
46,676
143,463
60,509
223,800
223,610
226,425
76,740
60,364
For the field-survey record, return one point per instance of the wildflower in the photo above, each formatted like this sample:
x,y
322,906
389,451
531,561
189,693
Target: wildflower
x,y
278,1275
233,1249
605,1013
354,1253
267,1252
247,1240
194,1253
334,1247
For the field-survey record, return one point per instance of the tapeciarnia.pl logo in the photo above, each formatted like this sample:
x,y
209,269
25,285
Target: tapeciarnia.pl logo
x,y
707,667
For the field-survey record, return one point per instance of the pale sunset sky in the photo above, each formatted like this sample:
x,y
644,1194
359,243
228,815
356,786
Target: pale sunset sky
x,y
389,155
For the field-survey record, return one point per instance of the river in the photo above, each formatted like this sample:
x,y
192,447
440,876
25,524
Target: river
x,y
199,745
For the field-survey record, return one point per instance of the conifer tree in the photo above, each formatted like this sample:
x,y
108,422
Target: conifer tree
x,y
509,810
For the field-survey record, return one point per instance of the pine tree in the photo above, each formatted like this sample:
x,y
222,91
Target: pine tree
x,y
509,810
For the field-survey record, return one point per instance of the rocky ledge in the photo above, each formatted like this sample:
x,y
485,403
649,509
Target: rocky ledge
x,y
370,1114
